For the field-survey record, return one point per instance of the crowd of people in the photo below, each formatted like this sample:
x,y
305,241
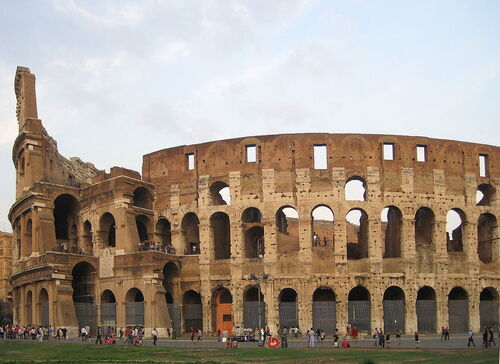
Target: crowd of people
x,y
156,246
32,332
62,247
317,240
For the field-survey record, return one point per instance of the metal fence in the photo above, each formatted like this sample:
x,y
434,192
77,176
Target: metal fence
x,y
288,314
394,315
488,311
251,314
458,313
134,312
175,316
193,316
44,313
86,314
108,314
324,316
360,315
426,315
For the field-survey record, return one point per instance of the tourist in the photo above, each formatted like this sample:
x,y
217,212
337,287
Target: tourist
x,y
443,333
199,334
192,335
83,334
417,341
491,337
398,337
485,338
345,343
98,335
154,334
470,338
310,337
375,336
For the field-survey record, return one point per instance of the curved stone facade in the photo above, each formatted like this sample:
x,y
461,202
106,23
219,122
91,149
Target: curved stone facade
x,y
332,229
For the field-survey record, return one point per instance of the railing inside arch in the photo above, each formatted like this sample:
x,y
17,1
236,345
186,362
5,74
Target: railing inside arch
x,y
175,317
324,316
360,315
458,313
426,316
44,314
86,314
488,312
394,315
288,315
251,315
134,313
108,314
193,316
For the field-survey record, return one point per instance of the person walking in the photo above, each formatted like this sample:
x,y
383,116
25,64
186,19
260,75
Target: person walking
x,y
375,336
83,333
470,338
443,333
417,341
98,335
398,337
310,337
485,338
154,334
491,337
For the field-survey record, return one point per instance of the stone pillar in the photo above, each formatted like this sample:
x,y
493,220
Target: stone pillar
x,y
206,300
410,310
272,306
305,240
474,300
304,306
377,309
342,309
375,245
470,243
408,249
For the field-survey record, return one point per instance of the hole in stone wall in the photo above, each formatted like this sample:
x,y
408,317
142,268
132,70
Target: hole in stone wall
x,y
220,193
322,226
455,219
355,189
392,220
219,222
357,234
487,236
287,224
485,195
320,156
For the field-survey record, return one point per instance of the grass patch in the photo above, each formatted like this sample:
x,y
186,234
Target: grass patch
x,y
26,352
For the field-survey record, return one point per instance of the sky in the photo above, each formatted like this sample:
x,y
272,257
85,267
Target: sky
x,y
119,79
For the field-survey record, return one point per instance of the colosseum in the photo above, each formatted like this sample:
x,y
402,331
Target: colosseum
x,y
299,230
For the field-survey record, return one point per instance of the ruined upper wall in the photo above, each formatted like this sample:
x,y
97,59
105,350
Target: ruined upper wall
x,y
353,152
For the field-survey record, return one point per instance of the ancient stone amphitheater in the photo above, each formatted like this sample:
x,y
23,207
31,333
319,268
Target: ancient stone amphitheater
x,y
299,230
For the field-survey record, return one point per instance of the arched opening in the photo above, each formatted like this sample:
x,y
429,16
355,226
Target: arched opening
x,y
458,310
392,220
134,308
29,308
485,195
355,189
170,278
253,232
324,310
287,225
254,242
487,236
43,305
360,308
164,233
357,234
66,210
191,233
223,311
220,193
221,230
107,229
28,238
83,283
192,311
394,309
254,310
455,222
251,215
426,310
87,239
142,223
488,308
322,226
424,233
143,198
288,308
19,242
108,308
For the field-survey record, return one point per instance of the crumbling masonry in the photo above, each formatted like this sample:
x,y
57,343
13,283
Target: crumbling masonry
x,y
372,230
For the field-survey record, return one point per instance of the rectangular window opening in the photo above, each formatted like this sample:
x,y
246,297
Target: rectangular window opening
x,y
483,165
388,151
251,153
190,161
421,153
320,156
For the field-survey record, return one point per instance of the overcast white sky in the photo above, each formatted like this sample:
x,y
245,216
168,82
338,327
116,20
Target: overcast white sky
x,y
119,79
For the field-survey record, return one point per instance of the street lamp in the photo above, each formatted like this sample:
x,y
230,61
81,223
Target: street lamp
x,y
257,278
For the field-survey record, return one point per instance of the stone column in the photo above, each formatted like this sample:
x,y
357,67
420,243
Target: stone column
x,y
410,310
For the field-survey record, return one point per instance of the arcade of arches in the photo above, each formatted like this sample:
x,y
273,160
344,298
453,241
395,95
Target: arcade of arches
x,y
250,231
